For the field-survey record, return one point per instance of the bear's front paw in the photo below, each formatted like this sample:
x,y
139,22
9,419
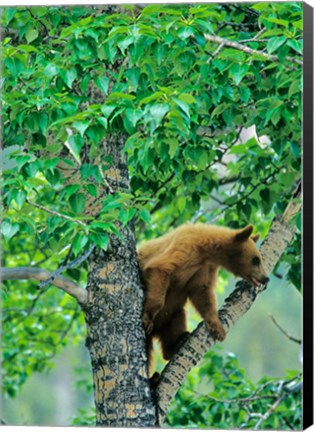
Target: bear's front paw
x,y
148,323
216,329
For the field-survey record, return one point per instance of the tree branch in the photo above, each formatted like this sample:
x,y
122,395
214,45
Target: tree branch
x,y
71,264
240,47
39,274
55,213
298,341
235,306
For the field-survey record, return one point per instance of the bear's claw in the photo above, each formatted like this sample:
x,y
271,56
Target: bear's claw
x,y
148,324
216,330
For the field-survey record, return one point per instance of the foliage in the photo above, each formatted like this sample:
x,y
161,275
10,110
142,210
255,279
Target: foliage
x,y
181,109
84,418
76,76
38,324
229,400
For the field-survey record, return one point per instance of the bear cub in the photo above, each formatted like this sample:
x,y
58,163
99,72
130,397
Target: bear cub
x,y
183,265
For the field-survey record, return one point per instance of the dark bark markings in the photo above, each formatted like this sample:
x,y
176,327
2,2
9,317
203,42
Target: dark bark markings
x,y
115,336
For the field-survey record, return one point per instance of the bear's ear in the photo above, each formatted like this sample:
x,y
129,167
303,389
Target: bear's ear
x,y
244,233
255,237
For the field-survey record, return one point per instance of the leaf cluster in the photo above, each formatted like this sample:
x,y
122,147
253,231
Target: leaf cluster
x,y
220,395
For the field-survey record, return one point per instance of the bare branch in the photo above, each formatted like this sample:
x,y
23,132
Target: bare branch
x,y
240,47
284,331
71,264
283,392
40,274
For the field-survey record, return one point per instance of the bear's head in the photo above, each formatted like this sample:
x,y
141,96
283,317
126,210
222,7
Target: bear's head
x,y
244,259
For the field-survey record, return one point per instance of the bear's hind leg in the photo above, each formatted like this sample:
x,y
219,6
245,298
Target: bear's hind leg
x,y
172,334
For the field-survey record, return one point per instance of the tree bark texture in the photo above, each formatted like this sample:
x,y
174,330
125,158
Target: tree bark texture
x,y
115,336
234,307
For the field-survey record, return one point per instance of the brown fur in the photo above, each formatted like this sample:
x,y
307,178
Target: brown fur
x,y
184,264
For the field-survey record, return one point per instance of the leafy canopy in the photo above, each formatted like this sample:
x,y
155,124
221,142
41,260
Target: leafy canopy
x,y
76,76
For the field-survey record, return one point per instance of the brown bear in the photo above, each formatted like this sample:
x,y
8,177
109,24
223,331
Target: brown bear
x,y
183,265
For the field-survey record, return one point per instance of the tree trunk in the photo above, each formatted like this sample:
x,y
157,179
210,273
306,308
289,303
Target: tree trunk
x,y
115,336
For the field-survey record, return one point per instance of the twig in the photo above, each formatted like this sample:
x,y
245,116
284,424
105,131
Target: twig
x,y
298,341
71,264
102,174
248,50
259,33
240,400
55,213
253,40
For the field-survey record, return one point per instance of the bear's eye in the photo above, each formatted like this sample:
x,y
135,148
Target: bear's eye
x,y
256,261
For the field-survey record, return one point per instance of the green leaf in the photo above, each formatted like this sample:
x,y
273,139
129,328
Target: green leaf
x,y
186,32
75,145
88,171
245,93
198,155
125,215
187,98
14,65
102,83
298,24
295,87
31,34
181,203
119,95
265,195
77,202
173,144
220,109
68,76
103,121
183,105
19,197
238,72
70,190
281,22
52,163
274,43
9,229
81,126
22,160
91,189
107,109
158,111
295,148
145,216
296,45
151,98
79,242
133,115
101,240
